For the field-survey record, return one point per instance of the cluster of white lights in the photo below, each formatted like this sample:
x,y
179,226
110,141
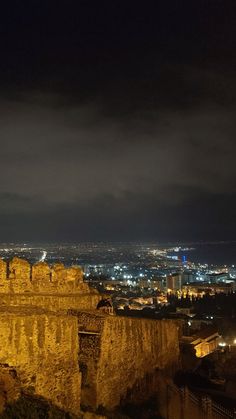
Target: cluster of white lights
x,y
133,283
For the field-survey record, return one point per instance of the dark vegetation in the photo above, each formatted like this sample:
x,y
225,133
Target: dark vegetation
x,y
31,407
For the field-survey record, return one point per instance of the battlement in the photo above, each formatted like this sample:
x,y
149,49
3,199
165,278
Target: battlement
x,y
18,277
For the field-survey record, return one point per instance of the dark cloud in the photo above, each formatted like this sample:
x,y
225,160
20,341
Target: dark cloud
x,y
118,130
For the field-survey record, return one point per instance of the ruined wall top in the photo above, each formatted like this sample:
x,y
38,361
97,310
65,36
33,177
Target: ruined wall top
x,y
19,276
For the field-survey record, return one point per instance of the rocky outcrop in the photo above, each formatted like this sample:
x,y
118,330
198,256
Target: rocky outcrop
x,y
9,386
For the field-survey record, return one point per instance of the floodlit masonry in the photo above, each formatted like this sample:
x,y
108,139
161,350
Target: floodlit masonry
x,y
68,352
42,347
19,276
39,285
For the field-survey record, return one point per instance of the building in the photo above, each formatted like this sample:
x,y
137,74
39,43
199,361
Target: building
x,y
203,342
174,282
201,288
215,278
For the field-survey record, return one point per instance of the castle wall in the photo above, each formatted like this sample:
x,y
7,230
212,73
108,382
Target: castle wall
x,y
114,360
41,277
19,277
124,357
39,285
3,271
44,350
54,302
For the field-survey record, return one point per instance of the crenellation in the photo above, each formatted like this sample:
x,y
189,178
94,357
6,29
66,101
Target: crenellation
x,y
19,277
58,273
41,272
74,273
41,277
19,269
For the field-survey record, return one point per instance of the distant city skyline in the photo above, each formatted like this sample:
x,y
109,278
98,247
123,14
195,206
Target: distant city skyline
x,y
217,254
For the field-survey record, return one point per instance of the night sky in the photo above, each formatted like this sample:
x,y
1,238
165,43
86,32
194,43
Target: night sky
x,y
117,120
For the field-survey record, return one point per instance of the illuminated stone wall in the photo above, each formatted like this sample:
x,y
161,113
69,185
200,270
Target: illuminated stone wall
x,y
3,276
104,360
86,357
43,348
41,277
120,356
52,302
3,270
20,277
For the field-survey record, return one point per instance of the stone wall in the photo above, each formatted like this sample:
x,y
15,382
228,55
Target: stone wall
x,y
52,302
102,360
54,288
19,276
43,348
3,271
120,355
